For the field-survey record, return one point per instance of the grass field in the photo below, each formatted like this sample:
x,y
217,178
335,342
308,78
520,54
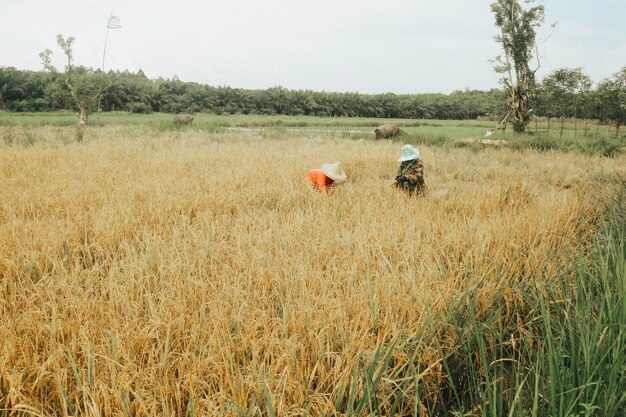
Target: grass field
x,y
577,135
147,270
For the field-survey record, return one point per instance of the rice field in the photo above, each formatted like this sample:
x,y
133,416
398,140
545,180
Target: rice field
x,y
150,271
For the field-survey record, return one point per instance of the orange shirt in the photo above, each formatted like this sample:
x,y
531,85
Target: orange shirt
x,y
319,180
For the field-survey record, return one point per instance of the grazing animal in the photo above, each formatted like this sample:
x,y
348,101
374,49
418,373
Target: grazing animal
x,y
183,119
387,131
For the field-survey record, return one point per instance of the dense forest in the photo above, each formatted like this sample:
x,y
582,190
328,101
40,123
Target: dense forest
x,y
563,93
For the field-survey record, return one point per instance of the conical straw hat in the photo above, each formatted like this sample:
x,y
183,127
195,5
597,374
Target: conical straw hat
x,y
408,153
334,172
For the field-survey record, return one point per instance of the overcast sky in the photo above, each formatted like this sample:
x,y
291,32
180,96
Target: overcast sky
x,y
367,46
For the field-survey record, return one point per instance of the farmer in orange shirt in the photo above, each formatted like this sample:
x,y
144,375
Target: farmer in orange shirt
x,y
326,176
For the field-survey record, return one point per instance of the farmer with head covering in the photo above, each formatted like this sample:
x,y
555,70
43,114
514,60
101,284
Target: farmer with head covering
x,y
410,177
326,176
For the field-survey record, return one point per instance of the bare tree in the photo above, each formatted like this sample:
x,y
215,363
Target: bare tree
x,y
84,84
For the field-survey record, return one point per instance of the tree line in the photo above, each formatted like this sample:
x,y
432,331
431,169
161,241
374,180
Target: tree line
x,y
563,93
33,91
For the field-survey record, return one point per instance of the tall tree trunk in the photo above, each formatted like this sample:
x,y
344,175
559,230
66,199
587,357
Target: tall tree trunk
x,y
83,116
519,112
562,122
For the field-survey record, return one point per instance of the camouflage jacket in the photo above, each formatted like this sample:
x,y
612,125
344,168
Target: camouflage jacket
x,y
410,177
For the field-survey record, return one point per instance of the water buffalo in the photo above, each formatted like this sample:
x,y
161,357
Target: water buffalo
x,y
387,131
183,119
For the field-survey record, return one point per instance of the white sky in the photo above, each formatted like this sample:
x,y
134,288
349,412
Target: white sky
x,y
399,46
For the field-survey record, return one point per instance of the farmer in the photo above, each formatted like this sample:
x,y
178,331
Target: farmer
x,y
326,176
410,177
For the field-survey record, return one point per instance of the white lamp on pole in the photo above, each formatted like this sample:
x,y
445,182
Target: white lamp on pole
x,y
113,23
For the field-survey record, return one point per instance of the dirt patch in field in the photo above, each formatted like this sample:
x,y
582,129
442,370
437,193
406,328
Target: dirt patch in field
x,y
493,142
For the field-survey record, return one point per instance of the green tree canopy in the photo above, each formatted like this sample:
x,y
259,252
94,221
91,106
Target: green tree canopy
x,y
612,95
